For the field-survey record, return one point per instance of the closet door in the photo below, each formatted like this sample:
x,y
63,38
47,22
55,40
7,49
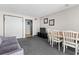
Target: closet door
x,y
13,26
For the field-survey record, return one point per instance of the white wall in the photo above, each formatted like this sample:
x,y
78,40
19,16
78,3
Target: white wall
x,y
35,22
64,20
36,26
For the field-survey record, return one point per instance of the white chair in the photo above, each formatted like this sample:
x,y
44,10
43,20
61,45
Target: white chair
x,y
71,40
57,37
50,38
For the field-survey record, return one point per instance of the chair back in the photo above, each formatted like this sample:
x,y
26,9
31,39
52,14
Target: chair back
x,y
60,34
49,33
70,37
55,35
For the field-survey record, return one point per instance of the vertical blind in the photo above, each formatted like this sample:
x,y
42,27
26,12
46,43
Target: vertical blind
x,y
13,26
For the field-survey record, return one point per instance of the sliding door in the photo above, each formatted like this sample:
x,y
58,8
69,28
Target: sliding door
x,y
13,26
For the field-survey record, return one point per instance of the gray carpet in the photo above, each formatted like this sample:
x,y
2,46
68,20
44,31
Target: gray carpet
x,y
39,46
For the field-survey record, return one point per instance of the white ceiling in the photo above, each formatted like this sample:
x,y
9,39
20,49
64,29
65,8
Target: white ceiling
x,y
36,10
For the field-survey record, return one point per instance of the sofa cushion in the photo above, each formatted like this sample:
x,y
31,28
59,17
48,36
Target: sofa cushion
x,y
9,48
9,41
9,44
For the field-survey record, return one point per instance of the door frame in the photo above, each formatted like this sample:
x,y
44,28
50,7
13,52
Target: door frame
x,y
12,16
32,25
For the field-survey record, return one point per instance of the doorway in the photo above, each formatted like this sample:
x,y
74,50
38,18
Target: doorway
x,y
28,28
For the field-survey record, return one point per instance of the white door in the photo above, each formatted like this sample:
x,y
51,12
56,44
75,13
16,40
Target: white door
x,y
13,26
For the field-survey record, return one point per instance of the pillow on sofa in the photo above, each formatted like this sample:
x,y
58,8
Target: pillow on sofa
x,y
10,39
0,41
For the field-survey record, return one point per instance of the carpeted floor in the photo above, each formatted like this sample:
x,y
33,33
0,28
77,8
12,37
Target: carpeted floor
x,y
39,46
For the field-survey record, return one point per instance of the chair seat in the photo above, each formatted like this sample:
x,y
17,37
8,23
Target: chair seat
x,y
56,40
71,44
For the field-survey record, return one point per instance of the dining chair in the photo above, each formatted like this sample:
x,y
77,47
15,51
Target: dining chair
x,y
57,37
71,40
49,36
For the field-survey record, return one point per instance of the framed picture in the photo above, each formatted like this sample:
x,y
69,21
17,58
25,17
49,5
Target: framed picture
x,y
51,22
45,20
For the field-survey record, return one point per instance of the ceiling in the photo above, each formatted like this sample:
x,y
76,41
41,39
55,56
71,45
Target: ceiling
x,y
36,10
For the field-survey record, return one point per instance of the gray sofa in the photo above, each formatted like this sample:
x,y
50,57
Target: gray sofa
x,y
10,46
